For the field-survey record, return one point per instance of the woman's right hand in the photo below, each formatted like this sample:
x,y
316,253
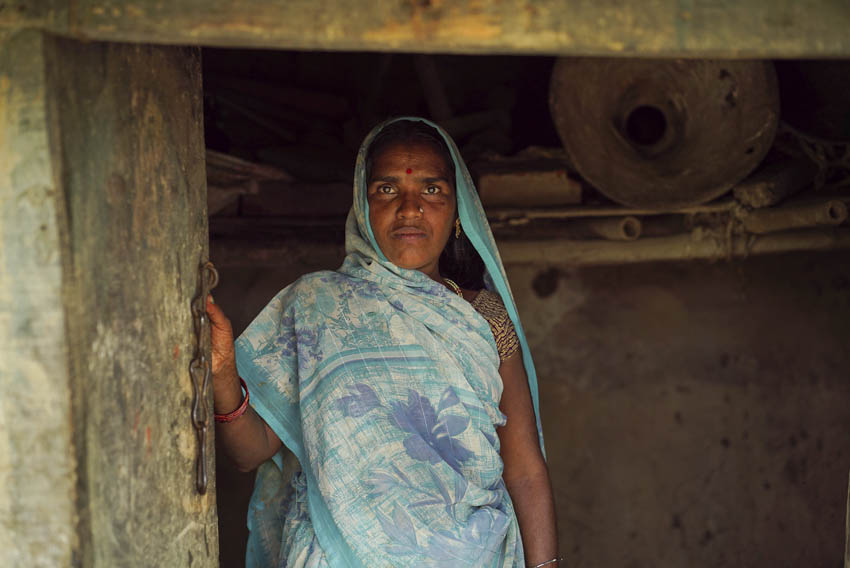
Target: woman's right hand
x,y
225,375
248,440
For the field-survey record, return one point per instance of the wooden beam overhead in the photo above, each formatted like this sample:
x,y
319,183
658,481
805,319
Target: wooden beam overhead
x,y
657,28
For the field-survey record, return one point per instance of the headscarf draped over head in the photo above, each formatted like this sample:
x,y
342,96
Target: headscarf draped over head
x,y
384,386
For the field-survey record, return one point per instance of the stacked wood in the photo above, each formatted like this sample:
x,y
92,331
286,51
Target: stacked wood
x,y
299,199
526,183
228,177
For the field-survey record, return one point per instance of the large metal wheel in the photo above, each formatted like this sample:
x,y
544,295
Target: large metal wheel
x,y
664,134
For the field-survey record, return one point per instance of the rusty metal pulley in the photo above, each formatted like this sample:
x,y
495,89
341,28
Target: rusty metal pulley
x,y
664,134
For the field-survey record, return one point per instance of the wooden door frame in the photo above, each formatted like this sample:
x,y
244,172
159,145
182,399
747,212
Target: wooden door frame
x,y
652,28
46,423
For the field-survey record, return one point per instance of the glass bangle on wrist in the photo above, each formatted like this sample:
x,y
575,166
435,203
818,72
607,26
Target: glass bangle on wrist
x,y
230,417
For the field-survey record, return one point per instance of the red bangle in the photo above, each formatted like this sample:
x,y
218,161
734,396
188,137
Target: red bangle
x,y
239,411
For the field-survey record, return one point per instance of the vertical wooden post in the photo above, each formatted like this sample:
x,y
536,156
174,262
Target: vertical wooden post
x,y
108,258
37,465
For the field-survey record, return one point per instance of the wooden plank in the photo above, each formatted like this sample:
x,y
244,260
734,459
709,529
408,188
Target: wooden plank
x,y
535,184
22,14
37,462
299,199
695,28
128,123
102,203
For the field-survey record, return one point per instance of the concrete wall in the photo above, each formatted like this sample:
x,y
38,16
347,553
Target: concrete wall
x,y
695,413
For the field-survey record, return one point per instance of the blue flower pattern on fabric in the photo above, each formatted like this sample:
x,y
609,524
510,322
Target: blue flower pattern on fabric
x,y
360,402
432,435
476,540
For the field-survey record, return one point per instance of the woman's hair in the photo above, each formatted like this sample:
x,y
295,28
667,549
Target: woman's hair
x,y
409,132
459,260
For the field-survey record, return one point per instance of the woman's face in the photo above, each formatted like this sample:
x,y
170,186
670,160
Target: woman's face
x,y
411,205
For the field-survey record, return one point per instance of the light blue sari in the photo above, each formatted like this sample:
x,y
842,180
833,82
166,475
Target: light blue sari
x,y
384,386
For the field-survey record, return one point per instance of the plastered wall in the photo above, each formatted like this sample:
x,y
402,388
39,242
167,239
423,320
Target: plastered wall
x,y
695,413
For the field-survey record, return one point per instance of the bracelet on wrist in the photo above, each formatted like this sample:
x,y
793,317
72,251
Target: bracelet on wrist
x,y
230,417
553,562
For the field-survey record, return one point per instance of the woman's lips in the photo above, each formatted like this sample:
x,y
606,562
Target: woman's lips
x,y
408,234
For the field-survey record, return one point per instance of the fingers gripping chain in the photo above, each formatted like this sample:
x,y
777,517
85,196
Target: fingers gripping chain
x,y
200,369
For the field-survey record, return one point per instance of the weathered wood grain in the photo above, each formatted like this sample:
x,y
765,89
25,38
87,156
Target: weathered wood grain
x,y
37,465
130,145
45,14
102,227
696,28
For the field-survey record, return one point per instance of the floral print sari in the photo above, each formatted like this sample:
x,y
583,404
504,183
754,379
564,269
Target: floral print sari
x,y
384,387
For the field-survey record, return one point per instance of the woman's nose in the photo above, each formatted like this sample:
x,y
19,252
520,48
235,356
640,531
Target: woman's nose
x,y
409,207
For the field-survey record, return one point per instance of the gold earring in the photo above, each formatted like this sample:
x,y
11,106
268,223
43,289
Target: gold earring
x,y
457,228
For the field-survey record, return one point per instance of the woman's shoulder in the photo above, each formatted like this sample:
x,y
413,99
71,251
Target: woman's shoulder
x,y
492,309
307,286
317,280
490,303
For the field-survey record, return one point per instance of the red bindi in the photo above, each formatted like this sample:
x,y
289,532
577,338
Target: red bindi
x,y
409,171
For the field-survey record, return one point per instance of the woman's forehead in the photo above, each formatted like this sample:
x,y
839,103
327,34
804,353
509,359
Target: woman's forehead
x,y
404,156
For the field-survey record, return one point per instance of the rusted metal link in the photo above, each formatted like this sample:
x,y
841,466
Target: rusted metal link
x,y
200,369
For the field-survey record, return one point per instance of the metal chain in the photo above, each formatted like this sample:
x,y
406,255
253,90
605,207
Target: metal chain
x,y
201,369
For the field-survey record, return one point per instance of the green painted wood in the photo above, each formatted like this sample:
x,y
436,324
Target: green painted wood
x,y
100,264
696,28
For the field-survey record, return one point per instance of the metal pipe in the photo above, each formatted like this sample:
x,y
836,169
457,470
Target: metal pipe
x,y
761,221
612,228
775,182
513,214
680,247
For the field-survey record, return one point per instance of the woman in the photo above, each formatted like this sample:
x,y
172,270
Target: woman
x,y
408,400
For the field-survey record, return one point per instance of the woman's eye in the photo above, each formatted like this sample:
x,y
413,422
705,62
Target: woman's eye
x,y
385,189
432,189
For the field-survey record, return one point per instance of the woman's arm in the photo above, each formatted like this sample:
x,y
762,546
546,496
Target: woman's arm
x,y
526,475
248,440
